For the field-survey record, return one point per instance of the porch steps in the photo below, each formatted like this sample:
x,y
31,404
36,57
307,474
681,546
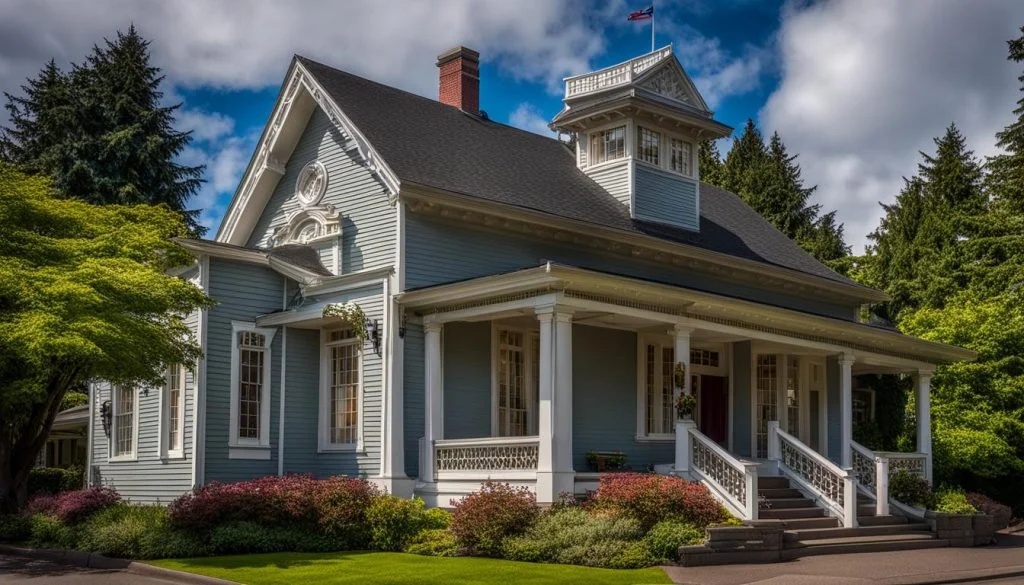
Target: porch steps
x,y
820,534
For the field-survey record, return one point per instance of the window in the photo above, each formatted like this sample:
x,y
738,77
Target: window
x,y
607,145
704,357
793,397
517,383
767,400
250,392
863,406
340,390
125,422
648,146
658,390
679,156
174,412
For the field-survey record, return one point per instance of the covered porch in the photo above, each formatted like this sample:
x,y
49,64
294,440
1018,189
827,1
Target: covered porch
x,y
529,376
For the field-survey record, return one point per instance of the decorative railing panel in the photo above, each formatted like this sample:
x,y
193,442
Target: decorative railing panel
x,y
910,462
498,454
863,466
718,468
820,476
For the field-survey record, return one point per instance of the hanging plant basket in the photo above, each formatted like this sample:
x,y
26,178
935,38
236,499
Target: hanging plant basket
x,y
686,404
351,315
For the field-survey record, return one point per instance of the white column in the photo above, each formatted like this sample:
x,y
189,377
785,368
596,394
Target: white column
x,y
682,355
433,428
846,407
924,419
555,473
682,352
881,486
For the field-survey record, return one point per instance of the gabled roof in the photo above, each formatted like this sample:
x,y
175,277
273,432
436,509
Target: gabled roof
x,y
430,144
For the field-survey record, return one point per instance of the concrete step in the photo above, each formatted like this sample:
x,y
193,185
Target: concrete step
x,y
815,534
791,513
771,493
881,520
863,539
798,523
821,548
865,510
781,503
772,482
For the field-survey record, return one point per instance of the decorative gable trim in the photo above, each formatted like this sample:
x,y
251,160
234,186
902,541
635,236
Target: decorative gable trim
x,y
668,79
301,92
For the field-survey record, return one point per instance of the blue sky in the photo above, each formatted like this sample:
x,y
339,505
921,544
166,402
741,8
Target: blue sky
x,y
855,87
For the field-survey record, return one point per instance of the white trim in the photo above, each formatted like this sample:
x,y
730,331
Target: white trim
x,y
732,398
531,341
661,342
248,452
309,200
281,401
252,256
166,452
324,444
90,438
199,383
239,447
112,444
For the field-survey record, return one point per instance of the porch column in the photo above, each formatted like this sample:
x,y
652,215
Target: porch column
x,y
924,419
846,407
682,353
555,474
433,427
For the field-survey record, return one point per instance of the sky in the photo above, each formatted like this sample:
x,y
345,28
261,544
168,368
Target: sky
x,y
856,88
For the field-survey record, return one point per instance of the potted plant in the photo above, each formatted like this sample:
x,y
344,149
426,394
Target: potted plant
x,y
686,404
606,461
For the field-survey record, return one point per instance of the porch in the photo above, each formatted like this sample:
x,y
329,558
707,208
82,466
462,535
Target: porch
x,y
525,375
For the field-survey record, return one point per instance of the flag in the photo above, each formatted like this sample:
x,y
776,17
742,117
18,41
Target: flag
x,y
644,14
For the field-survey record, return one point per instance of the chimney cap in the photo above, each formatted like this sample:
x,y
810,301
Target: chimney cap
x,y
455,53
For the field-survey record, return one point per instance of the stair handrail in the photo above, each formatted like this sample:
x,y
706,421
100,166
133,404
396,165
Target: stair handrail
x,y
733,479
872,471
834,486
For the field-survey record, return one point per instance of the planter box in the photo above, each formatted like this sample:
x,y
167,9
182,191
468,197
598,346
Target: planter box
x,y
964,530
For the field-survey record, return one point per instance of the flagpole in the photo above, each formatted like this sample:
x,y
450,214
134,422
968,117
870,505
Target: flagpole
x,y
652,25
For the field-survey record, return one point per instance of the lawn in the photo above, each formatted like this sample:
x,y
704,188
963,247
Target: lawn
x,y
399,568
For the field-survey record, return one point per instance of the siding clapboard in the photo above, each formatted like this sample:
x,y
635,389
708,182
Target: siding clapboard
x,y
742,357
665,197
414,397
614,177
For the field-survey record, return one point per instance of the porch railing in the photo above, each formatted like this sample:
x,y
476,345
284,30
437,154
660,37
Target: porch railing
x,y
874,468
733,480
835,487
487,455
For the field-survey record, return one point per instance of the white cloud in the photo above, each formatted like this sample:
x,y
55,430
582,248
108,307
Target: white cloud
x,y
716,72
204,126
865,86
527,117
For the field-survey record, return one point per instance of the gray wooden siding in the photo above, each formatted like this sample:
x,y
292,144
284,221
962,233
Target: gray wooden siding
x,y
439,251
665,197
615,179
415,396
467,380
368,220
151,478
742,409
243,292
302,398
834,414
604,396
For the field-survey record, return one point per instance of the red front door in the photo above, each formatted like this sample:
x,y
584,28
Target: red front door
x,y
714,408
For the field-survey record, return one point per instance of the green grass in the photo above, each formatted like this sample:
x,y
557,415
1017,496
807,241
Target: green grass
x,y
399,568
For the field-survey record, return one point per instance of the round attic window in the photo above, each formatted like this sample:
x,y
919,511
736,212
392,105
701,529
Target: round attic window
x,y
312,183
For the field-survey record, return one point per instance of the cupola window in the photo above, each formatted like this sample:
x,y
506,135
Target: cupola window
x,y
648,146
679,156
607,145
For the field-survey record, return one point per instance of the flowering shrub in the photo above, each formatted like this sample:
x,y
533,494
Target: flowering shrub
x,y
73,507
483,519
651,498
910,489
340,504
41,504
1000,513
268,500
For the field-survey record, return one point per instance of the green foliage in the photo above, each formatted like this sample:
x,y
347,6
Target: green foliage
x,y
251,538
73,399
910,489
484,519
164,542
953,501
436,542
120,531
394,521
55,480
436,518
576,536
664,539
49,532
101,131
15,528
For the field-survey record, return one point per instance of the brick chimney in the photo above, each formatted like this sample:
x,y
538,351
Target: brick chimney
x,y
459,83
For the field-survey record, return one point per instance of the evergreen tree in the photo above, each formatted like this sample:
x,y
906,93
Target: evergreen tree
x,y
101,132
1006,171
710,163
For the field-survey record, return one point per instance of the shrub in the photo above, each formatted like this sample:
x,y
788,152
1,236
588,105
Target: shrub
x,y
730,521
953,501
1001,513
270,500
120,530
54,480
910,489
341,505
165,542
575,536
394,521
634,556
665,538
250,537
15,528
436,542
49,531
41,504
482,520
651,498
436,518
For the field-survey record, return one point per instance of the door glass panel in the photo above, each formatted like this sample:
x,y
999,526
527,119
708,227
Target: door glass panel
x,y
793,397
767,400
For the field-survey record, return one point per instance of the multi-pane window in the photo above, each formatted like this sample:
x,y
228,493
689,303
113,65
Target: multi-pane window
x,y
659,389
704,357
513,401
679,156
124,421
175,407
648,146
863,406
793,396
767,399
607,145
251,354
343,387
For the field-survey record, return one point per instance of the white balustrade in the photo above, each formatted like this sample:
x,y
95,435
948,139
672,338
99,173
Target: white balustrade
x,y
730,478
486,455
874,469
613,76
835,487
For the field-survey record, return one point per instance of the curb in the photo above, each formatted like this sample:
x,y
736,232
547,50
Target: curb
x,y
97,561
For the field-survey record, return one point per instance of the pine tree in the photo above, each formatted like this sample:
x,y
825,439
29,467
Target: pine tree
x,y
1006,171
743,166
101,132
710,163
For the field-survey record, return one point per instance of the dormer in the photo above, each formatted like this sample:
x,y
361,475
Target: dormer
x,y
637,127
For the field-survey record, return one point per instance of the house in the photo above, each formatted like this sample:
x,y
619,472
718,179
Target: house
x,y
413,293
66,445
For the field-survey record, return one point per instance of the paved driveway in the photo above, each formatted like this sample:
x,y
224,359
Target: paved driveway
x,y
24,571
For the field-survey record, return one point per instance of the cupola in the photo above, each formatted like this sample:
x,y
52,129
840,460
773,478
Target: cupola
x,y
637,127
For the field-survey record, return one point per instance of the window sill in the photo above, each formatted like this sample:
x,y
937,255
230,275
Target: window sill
x,y
173,456
655,439
123,459
249,452
349,448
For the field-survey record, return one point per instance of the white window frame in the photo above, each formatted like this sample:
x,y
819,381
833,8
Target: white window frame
x,y
871,402
658,144
324,444
245,447
690,159
112,455
531,381
641,387
593,154
166,449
